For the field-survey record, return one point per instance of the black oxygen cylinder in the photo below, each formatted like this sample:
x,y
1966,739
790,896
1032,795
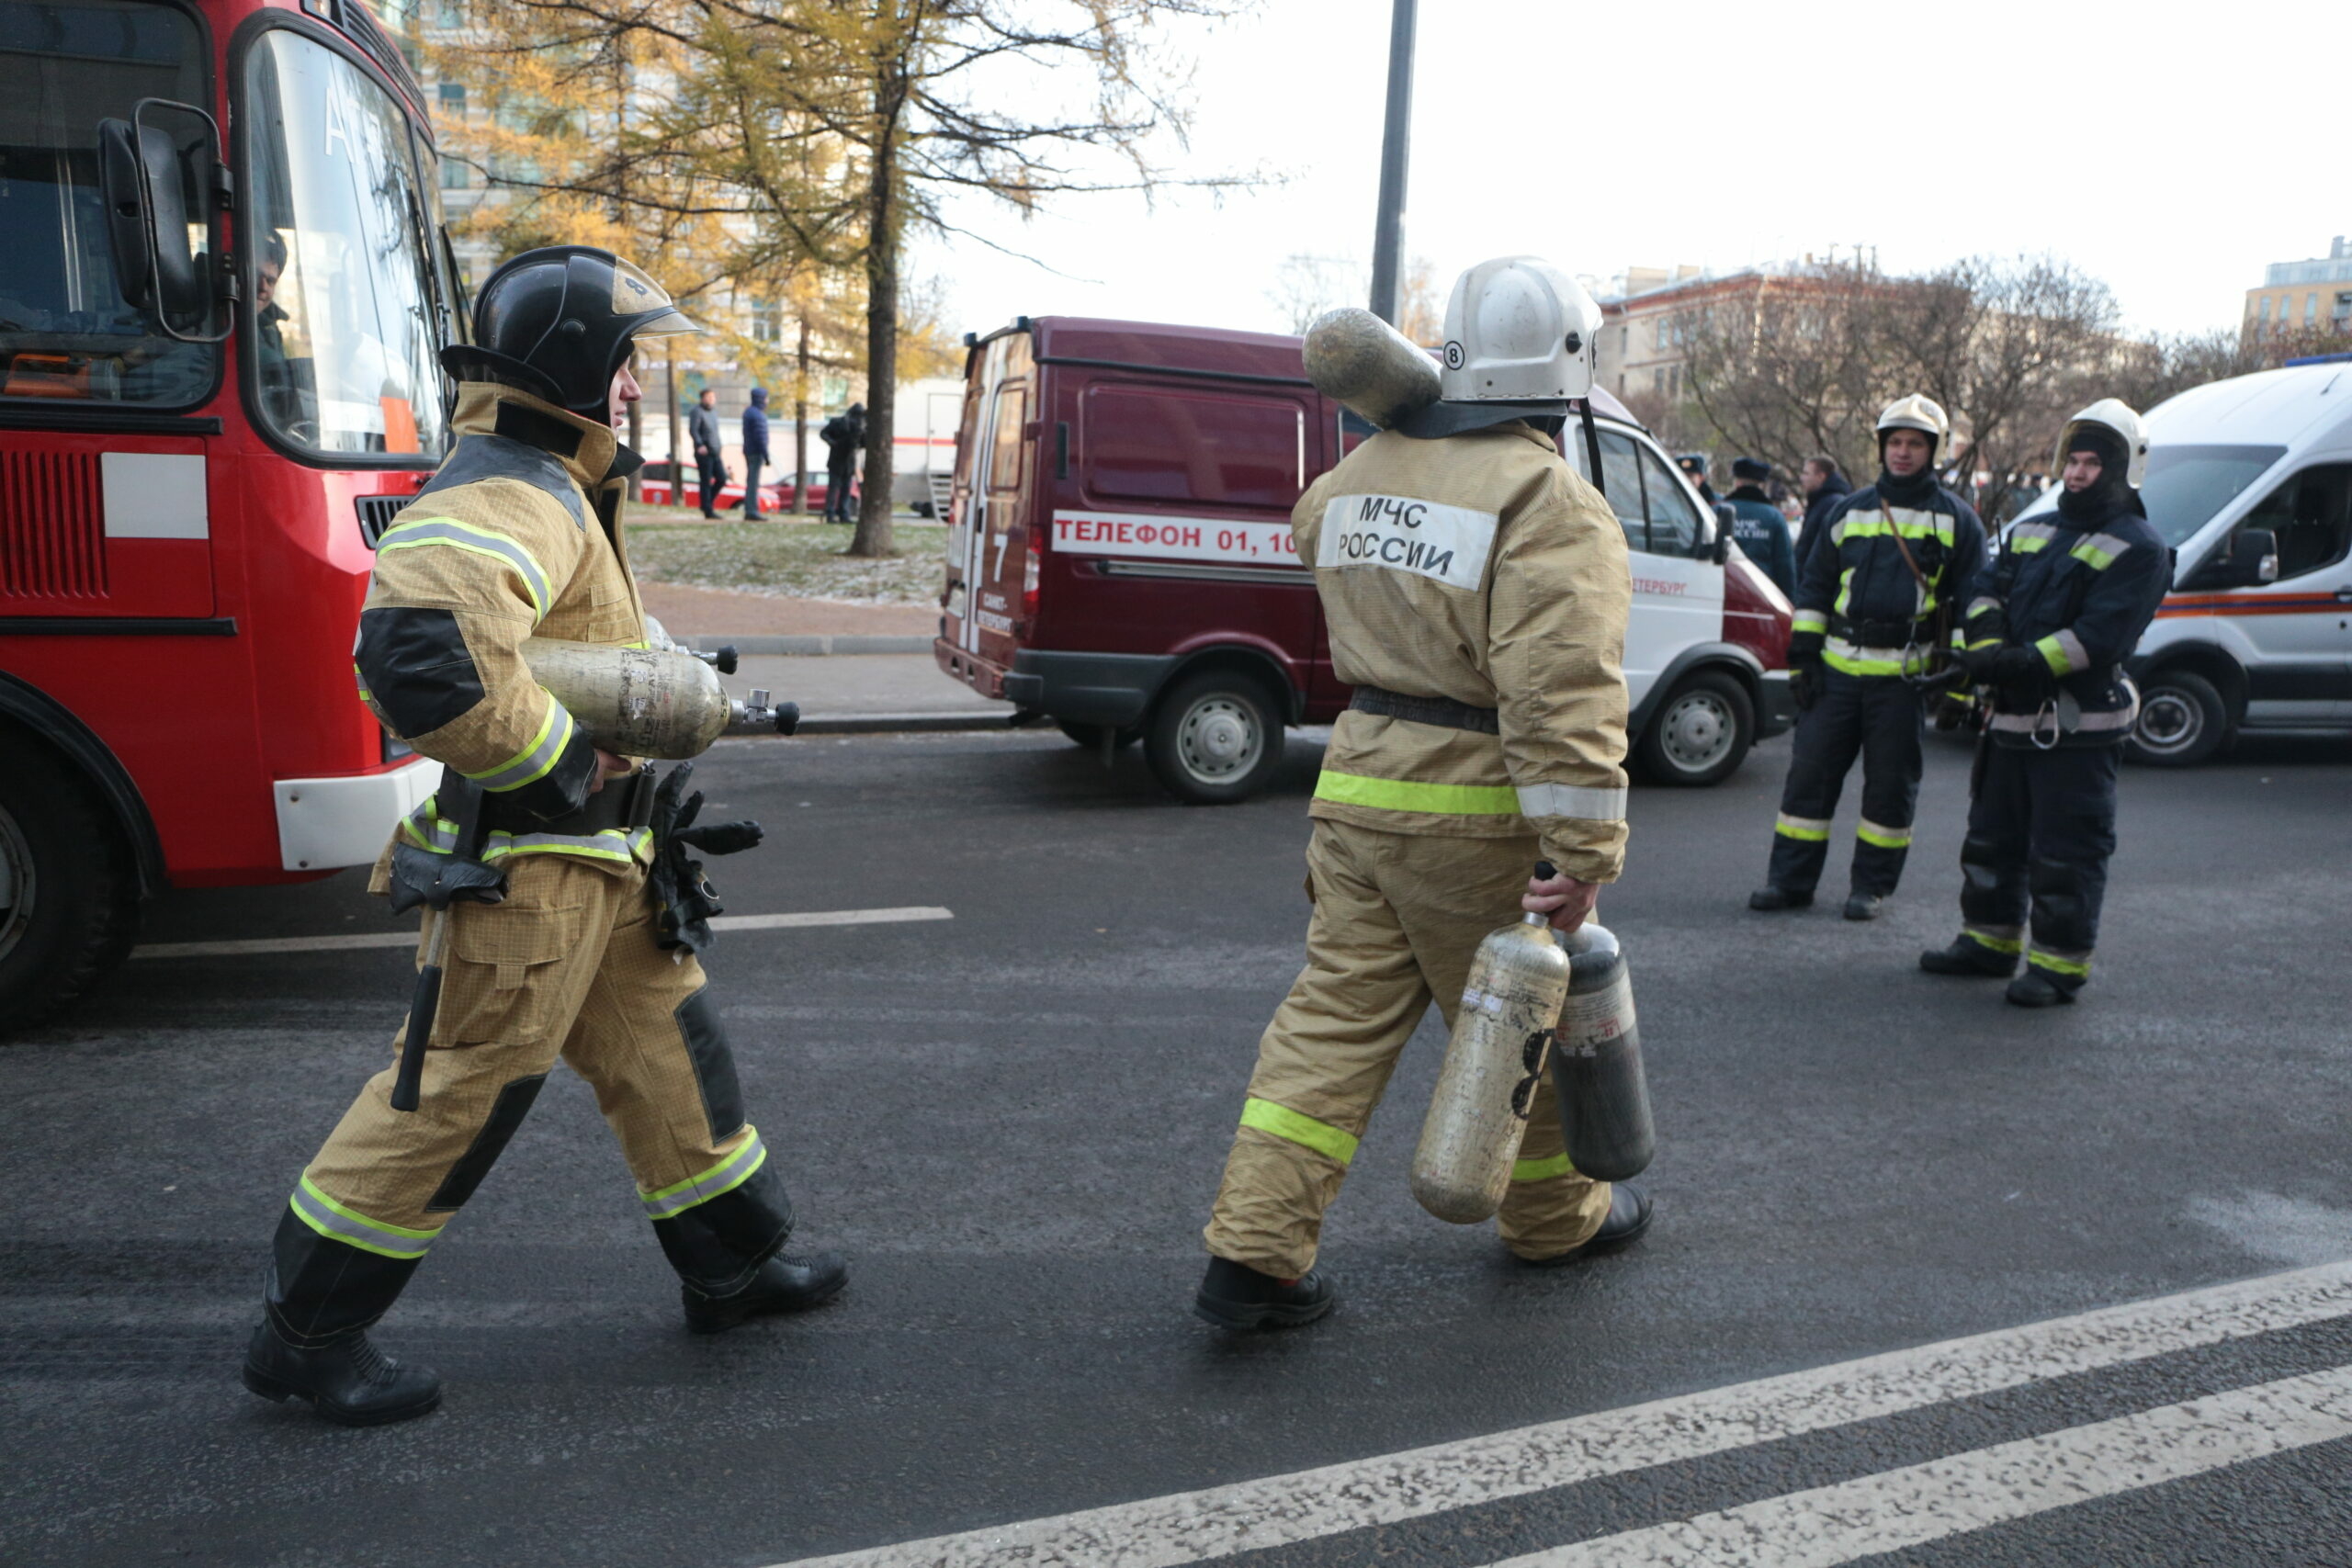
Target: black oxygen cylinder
x,y
1597,1062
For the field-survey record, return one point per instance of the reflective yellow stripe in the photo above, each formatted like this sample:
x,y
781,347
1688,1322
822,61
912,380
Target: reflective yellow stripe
x,y
1306,1130
1812,830
1404,795
533,761
337,1223
1541,1169
1886,838
1849,660
2008,945
2079,968
418,532
1809,621
721,1178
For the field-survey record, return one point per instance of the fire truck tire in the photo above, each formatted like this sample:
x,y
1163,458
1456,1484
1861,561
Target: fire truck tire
x,y
1700,734
1091,735
1215,737
2184,720
69,906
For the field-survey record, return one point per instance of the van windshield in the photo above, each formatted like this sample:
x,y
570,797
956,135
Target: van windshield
x,y
2185,486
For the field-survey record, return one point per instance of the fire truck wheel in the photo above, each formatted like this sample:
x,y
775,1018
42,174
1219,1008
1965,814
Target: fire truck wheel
x,y
1215,737
1091,735
1700,734
68,904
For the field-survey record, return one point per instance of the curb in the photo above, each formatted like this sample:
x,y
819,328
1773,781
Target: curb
x,y
819,643
900,723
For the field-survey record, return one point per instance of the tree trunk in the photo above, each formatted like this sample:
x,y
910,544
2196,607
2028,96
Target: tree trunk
x,y
637,443
875,536
800,427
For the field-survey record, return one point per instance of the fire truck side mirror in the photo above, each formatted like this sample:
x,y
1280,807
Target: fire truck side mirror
x,y
163,193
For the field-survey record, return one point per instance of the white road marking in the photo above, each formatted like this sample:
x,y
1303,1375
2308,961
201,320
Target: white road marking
x,y
1283,1510
408,939
1990,1486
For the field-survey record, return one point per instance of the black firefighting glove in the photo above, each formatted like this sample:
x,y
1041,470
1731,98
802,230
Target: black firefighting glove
x,y
2023,675
1804,683
684,894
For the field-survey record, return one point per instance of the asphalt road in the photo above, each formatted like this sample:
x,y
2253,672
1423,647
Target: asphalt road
x,y
1013,1123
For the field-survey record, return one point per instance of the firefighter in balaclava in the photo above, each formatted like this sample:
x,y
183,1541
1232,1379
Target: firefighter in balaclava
x,y
1476,591
519,535
2048,628
1874,615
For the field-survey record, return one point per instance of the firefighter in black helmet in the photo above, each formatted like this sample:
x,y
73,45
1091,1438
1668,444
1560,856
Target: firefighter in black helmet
x,y
518,534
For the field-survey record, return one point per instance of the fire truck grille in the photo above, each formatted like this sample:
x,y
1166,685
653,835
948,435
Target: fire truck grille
x,y
52,526
376,515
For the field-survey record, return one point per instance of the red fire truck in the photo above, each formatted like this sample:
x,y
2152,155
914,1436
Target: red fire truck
x,y
1120,558
225,288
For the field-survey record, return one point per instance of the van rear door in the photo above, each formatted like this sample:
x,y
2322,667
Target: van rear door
x,y
988,552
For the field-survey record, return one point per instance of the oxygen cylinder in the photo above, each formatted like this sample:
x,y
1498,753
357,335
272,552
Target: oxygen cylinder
x,y
1597,1062
1501,1033
1358,360
645,702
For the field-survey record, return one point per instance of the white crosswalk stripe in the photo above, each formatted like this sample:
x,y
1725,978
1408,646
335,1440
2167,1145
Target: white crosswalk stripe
x,y
1195,1526
408,938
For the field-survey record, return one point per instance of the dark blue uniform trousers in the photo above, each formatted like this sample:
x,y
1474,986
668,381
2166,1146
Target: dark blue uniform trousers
x,y
1876,717
2039,831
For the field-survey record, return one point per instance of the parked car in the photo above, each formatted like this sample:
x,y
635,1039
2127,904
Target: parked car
x,y
1120,558
2250,482
776,495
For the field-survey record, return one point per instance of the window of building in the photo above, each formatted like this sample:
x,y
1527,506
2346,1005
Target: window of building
x,y
2266,310
2310,309
767,322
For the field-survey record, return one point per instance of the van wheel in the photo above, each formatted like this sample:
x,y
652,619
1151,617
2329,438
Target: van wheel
x,y
68,893
2183,720
1700,734
1091,735
1214,739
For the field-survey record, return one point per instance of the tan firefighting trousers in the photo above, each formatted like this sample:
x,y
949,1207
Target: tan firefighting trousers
x,y
567,965
1397,917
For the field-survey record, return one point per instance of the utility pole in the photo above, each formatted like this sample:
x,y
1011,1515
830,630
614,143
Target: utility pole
x,y
677,459
1388,229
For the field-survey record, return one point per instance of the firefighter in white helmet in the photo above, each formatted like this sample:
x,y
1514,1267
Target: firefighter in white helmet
x,y
1875,614
2048,627
1476,591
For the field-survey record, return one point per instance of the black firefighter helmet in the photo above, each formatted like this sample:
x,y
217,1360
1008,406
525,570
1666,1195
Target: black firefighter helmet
x,y
559,322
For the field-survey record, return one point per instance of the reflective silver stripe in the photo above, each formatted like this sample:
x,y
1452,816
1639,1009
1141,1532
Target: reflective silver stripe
x,y
424,825
1881,835
2025,723
2107,545
1813,828
1984,605
479,541
725,1177
323,1215
555,734
610,843
2078,656
1572,800
2034,530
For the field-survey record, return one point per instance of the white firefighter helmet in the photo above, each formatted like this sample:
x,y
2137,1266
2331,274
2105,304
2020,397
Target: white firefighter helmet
x,y
1519,330
1919,412
2118,416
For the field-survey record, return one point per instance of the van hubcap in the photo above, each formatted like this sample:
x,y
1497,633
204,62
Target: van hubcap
x,y
1695,731
2169,720
1218,739
15,883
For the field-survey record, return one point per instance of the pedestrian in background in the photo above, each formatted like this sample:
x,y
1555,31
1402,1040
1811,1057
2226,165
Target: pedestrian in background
x,y
845,437
1694,467
1825,487
756,450
1757,524
1872,610
2049,627
702,427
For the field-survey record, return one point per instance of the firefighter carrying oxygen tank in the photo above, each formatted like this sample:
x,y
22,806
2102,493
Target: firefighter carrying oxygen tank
x,y
584,913
1476,591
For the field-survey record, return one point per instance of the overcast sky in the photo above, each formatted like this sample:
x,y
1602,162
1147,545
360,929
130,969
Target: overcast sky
x,y
2172,151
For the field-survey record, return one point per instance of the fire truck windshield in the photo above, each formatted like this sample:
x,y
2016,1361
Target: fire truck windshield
x,y
67,336
346,318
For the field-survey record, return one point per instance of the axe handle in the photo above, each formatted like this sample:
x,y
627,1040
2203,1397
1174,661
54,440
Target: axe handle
x,y
408,1083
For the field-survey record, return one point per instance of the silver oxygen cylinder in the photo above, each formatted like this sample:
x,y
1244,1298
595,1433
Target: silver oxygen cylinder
x,y
1360,361
1597,1062
649,702
1501,1033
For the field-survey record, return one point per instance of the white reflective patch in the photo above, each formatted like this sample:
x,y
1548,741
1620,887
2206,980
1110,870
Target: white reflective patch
x,y
154,495
1572,800
1445,544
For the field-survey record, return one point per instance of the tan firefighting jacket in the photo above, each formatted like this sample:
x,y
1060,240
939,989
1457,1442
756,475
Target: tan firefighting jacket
x,y
1482,569
516,535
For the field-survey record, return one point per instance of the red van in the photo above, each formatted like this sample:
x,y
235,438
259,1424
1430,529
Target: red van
x,y
1120,560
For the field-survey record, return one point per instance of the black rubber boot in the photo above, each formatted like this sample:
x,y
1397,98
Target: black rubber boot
x,y
1629,1218
1968,958
346,1378
1776,897
1233,1296
1863,906
782,1284
2035,990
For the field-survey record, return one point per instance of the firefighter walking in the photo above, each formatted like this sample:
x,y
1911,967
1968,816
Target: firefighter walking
x,y
518,534
1476,591
2048,627
1873,612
